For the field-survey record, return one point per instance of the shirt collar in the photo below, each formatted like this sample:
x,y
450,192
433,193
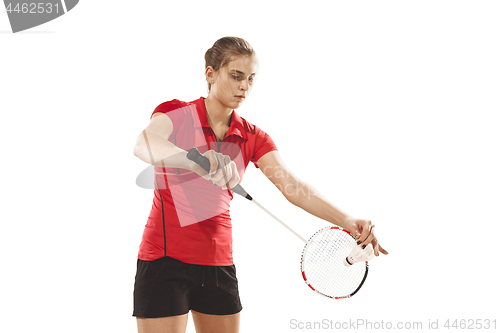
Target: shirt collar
x,y
236,127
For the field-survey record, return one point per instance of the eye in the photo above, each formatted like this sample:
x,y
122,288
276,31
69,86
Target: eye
x,y
236,77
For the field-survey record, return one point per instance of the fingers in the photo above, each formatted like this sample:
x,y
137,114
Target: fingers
x,y
365,229
376,247
382,250
230,176
367,241
367,235
223,171
223,174
213,162
235,180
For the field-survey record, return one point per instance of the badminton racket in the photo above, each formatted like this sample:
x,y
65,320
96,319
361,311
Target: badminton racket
x,y
332,264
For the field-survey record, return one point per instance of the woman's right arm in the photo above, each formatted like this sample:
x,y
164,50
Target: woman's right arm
x,y
153,147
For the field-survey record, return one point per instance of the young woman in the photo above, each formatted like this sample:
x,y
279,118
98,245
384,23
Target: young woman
x,y
185,257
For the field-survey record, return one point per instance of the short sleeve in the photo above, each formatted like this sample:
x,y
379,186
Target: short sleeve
x,y
263,145
173,109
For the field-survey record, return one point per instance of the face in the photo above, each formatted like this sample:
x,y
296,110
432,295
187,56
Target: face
x,y
233,82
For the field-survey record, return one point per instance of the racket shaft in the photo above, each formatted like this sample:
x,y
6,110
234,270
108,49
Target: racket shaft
x,y
195,156
277,219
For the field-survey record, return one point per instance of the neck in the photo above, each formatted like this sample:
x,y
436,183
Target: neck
x,y
218,113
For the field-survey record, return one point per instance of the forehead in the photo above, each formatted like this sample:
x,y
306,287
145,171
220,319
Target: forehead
x,y
243,64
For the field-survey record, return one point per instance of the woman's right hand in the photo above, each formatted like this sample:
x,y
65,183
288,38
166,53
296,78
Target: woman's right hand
x,y
223,171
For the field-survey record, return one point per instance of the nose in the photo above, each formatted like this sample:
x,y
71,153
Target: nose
x,y
244,85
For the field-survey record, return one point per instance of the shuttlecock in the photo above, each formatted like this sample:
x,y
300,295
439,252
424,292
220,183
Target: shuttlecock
x,y
358,254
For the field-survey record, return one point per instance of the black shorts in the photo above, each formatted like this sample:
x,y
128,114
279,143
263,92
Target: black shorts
x,y
168,287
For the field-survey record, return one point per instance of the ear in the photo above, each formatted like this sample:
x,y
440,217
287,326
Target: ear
x,y
210,74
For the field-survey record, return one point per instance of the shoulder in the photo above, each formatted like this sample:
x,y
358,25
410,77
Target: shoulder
x,y
173,105
170,105
247,126
250,128
260,143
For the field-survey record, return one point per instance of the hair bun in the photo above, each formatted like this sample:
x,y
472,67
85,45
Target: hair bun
x,y
224,49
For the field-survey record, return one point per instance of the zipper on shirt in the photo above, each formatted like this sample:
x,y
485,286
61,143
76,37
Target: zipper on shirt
x,y
219,143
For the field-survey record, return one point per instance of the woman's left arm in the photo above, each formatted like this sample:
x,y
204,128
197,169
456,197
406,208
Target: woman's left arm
x,y
303,195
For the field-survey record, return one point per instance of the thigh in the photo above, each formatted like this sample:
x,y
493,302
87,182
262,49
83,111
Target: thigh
x,y
218,294
161,288
207,323
174,324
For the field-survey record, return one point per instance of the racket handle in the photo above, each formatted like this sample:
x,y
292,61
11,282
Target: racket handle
x,y
195,156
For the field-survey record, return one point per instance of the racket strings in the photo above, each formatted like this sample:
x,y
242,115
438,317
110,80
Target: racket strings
x,y
323,264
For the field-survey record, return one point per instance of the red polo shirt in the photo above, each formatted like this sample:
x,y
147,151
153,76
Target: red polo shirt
x,y
189,219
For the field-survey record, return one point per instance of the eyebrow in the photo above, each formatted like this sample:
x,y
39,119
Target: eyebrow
x,y
240,72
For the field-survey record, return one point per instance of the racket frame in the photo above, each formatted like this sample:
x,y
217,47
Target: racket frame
x,y
304,252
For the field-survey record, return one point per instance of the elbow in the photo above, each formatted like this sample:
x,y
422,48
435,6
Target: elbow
x,y
139,150
294,193
136,151
293,200
139,146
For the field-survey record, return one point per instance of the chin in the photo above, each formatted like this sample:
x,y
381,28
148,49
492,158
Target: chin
x,y
234,105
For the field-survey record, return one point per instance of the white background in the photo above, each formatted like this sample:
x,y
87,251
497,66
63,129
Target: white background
x,y
389,108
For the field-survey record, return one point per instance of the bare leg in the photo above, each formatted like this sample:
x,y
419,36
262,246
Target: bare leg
x,y
205,323
175,324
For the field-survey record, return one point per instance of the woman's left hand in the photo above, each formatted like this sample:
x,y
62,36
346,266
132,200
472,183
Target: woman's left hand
x,y
364,233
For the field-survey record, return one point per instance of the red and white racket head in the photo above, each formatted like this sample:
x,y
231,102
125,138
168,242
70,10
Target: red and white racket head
x,y
323,268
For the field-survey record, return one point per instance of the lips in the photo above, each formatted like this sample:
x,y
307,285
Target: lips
x,y
240,96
